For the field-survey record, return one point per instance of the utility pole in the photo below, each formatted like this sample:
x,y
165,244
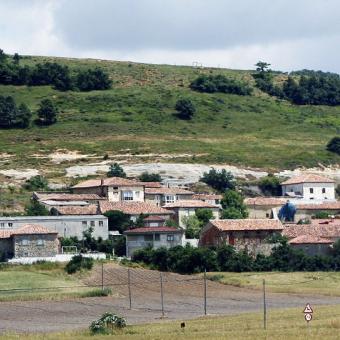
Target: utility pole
x,y
129,287
162,297
102,276
205,292
264,305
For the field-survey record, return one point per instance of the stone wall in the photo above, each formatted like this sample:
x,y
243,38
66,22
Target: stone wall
x,y
29,246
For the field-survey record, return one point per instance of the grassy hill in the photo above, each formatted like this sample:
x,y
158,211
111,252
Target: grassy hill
x,y
138,114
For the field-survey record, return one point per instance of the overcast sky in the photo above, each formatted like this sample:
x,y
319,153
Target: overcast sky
x,y
290,34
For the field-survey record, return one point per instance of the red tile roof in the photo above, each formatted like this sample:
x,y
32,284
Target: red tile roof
x,y
167,191
152,184
307,178
154,218
331,230
207,197
247,224
309,239
90,209
265,201
189,204
5,233
112,181
151,230
33,229
133,208
322,206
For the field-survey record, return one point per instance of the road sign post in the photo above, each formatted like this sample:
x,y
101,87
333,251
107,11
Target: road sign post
x,y
308,311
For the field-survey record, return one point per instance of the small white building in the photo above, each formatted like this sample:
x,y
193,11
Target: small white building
x,y
313,188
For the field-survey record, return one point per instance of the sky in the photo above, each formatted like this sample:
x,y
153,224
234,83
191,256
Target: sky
x,y
289,34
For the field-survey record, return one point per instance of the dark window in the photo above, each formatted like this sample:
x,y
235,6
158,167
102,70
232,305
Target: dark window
x,y
311,190
148,238
323,190
157,237
92,223
170,238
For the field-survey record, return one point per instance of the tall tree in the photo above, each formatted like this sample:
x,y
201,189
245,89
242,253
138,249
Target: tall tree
x,y
219,180
24,116
233,205
47,112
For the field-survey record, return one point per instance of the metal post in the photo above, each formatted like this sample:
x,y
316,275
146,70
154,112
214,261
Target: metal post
x,y
264,305
129,287
102,276
205,292
162,298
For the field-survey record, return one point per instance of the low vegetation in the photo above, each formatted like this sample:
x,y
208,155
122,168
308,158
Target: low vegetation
x,y
107,323
78,263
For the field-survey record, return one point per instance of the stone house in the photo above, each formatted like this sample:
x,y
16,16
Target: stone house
x,y
309,187
213,199
184,208
154,237
65,226
114,189
304,211
246,234
312,245
164,195
30,240
91,209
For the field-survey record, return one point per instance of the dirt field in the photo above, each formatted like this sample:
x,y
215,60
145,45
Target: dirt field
x,y
183,299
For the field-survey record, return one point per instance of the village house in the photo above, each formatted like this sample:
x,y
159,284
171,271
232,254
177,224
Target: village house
x,y
251,235
114,189
309,187
91,209
164,195
308,211
185,208
135,209
30,240
264,207
213,199
65,226
154,237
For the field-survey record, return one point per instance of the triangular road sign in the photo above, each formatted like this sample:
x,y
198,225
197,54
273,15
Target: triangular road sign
x,y
308,309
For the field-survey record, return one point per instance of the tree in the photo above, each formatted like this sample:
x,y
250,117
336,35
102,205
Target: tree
x,y
116,171
117,220
16,58
192,226
24,116
219,180
233,205
334,145
204,215
47,112
3,56
8,112
150,177
36,183
262,66
270,185
95,79
34,208
185,108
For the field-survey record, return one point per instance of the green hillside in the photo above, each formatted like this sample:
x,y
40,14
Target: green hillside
x,y
138,114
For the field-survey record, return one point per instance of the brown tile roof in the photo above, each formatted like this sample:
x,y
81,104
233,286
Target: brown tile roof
x,y
151,230
90,209
167,191
152,184
247,224
33,229
66,196
189,204
133,208
112,181
5,233
331,230
309,239
322,206
207,197
307,178
154,218
264,201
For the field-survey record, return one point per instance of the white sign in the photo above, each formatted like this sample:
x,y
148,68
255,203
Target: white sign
x,y
308,317
308,312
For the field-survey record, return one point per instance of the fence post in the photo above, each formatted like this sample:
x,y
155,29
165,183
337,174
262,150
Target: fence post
x,y
205,292
162,297
102,276
264,305
129,287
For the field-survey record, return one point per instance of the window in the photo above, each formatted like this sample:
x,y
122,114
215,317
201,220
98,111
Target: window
x,y
148,238
92,223
127,195
311,190
323,190
25,242
137,194
157,237
169,198
84,224
40,242
170,238
10,224
101,223
2,225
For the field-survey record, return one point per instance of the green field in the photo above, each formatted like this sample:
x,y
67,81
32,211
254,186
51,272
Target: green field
x,y
282,324
323,283
137,116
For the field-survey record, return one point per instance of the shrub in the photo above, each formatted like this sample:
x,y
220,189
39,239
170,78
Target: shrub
x,y
270,185
150,177
116,171
219,180
321,214
185,108
36,183
106,323
334,145
77,263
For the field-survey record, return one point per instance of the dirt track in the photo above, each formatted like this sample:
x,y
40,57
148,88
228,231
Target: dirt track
x,y
183,299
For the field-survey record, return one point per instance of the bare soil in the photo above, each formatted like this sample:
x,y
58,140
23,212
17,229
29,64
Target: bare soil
x,y
183,299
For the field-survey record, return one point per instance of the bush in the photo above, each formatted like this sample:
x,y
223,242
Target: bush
x,y
334,145
106,323
150,177
185,108
219,180
77,263
116,171
34,208
270,185
36,183
321,214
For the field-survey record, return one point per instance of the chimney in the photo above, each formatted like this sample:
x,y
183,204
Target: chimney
x,y
102,187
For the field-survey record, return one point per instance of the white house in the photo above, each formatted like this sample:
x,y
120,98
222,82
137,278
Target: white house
x,y
309,187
